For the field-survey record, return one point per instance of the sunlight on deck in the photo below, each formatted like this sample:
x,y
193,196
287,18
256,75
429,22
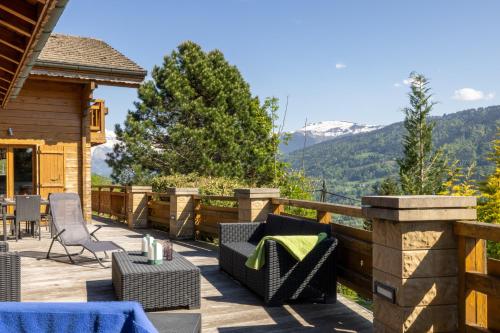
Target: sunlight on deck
x,y
226,306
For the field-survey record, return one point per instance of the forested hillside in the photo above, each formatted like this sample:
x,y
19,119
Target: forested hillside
x,y
351,165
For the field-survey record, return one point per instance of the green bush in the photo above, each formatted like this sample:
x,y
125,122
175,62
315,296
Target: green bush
x,y
293,185
206,185
97,180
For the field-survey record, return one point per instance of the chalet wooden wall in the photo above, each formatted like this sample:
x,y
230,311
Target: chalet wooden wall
x,y
48,114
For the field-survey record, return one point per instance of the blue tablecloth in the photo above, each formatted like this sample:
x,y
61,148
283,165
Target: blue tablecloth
x,y
98,317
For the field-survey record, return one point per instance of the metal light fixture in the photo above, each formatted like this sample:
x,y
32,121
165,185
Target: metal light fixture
x,y
10,131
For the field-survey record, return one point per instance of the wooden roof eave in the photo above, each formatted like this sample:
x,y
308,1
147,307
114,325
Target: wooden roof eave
x,y
45,22
110,77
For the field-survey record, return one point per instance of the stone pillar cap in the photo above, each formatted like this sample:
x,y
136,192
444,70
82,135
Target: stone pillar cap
x,y
140,188
419,201
182,191
257,193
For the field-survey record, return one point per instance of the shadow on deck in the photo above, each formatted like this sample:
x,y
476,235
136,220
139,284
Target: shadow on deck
x,y
226,306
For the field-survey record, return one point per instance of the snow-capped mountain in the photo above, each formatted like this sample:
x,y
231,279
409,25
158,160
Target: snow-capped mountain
x,y
99,152
315,133
322,131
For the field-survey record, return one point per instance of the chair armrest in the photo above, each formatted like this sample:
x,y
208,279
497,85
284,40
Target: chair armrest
x,y
240,232
4,247
286,277
93,232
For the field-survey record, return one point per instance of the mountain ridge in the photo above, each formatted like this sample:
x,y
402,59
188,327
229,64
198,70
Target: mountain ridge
x,y
322,131
352,164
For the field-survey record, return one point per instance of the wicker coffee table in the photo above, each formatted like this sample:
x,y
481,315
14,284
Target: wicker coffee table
x,y
172,284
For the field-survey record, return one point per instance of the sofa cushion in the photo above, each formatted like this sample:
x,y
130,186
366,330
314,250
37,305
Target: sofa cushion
x,y
242,248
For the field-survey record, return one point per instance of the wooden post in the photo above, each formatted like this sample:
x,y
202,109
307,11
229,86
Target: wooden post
x,y
182,212
197,215
278,209
415,265
136,203
323,217
254,204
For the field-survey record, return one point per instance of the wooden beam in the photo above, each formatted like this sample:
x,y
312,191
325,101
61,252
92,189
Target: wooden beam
x,y
347,210
473,328
20,9
10,55
5,80
484,283
480,230
12,23
2,67
12,40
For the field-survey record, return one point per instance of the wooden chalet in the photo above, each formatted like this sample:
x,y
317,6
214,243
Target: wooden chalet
x,y
48,118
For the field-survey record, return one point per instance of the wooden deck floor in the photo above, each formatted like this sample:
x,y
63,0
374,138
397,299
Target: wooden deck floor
x,y
225,305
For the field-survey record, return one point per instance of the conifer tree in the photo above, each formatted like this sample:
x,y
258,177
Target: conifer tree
x,y
422,170
197,115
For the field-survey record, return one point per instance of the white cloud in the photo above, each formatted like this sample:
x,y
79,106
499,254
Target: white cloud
x,y
408,81
470,94
397,84
340,65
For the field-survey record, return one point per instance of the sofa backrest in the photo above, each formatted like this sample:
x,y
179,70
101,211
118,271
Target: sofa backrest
x,y
286,225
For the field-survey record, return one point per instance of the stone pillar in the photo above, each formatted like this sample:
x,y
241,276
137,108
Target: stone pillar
x,y
255,203
137,206
415,263
182,212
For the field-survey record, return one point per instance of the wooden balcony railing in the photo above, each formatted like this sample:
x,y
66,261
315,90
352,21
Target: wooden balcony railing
x,y
408,229
479,277
110,200
210,210
97,116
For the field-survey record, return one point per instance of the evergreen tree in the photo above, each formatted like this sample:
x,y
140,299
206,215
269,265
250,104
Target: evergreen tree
x,y
388,186
197,115
489,208
422,170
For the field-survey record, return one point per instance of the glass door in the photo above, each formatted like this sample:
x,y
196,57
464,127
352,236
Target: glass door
x,y
23,170
17,171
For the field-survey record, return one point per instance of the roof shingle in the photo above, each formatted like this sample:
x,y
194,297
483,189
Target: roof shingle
x,y
85,51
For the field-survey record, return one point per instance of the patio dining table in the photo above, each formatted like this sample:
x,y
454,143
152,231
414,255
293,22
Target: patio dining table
x,y
8,202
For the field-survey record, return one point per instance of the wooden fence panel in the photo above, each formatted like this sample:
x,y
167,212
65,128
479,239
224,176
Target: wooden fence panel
x,y
354,257
118,204
110,200
105,202
159,214
494,301
210,216
478,277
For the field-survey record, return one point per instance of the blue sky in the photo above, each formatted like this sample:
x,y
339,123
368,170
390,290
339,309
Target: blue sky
x,y
336,60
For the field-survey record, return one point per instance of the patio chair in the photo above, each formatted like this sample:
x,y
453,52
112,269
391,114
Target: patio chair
x,y
28,210
70,228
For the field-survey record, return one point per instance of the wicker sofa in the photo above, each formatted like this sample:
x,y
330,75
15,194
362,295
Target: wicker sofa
x,y
10,274
282,278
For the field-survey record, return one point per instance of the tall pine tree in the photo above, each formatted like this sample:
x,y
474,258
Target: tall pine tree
x,y
422,170
197,115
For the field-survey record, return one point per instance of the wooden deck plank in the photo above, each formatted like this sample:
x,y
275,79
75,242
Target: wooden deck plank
x,y
226,306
